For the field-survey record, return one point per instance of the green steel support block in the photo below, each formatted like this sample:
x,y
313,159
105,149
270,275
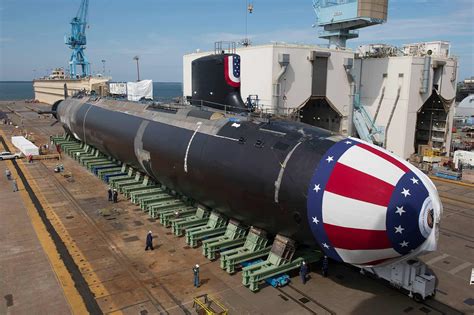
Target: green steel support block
x,y
255,246
78,156
252,275
128,191
179,225
234,236
121,185
83,159
137,196
230,263
74,149
92,161
146,182
58,139
211,249
130,174
280,260
71,146
156,199
215,226
103,173
157,210
166,216
85,150
155,207
102,161
63,142
103,164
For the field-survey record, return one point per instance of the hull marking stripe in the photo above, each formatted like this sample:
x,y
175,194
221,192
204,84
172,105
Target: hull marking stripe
x,y
189,145
282,171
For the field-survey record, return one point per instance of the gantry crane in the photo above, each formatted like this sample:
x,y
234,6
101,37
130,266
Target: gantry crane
x,y
77,41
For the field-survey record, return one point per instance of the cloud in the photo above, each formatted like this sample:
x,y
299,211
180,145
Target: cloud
x,y
458,23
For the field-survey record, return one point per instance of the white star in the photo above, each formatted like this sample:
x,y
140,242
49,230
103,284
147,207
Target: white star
x,y
317,188
414,180
348,142
330,159
315,220
406,192
326,245
404,244
399,229
400,210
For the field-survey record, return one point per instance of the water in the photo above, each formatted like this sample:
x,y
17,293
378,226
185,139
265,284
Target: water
x,y
23,90
16,90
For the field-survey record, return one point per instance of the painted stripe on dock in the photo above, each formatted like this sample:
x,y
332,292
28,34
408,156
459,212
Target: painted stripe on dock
x,y
460,267
70,288
436,259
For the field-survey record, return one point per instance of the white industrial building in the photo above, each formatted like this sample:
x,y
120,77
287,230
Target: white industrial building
x,y
398,100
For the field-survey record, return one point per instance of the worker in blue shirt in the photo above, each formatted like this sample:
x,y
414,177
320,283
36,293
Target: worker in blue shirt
x,y
325,266
149,241
303,272
196,275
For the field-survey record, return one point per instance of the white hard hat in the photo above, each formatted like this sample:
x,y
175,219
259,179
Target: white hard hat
x,y
197,266
149,232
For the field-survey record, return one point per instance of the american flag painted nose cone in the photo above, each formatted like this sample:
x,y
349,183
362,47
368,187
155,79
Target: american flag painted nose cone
x,y
367,207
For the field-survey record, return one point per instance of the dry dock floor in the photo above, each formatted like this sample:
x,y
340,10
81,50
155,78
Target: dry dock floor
x,y
58,255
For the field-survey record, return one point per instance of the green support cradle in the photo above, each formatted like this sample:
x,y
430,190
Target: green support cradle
x,y
198,219
279,261
215,226
234,236
255,246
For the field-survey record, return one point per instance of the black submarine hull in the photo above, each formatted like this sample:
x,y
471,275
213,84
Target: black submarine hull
x,y
341,195
237,171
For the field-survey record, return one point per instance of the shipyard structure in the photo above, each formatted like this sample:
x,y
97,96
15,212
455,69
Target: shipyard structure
x,y
401,99
51,89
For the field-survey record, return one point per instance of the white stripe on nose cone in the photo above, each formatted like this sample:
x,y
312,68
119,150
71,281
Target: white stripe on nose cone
x,y
352,213
369,163
360,257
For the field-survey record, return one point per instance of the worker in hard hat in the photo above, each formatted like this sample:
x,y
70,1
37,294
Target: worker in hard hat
x,y
325,266
304,272
115,195
149,241
8,174
109,193
196,275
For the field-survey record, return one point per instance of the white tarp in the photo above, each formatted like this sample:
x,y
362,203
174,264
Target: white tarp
x,y
118,88
137,90
25,146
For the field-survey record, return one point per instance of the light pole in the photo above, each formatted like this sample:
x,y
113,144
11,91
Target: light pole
x,y
103,67
136,58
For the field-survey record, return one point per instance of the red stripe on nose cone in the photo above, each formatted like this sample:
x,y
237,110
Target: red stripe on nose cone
x,y
351,183
384,156
356,239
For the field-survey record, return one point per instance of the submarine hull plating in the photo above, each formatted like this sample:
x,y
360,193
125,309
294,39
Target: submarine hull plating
x,y
280,176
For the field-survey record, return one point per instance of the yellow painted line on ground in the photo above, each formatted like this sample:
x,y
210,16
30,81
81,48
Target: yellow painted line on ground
x,y
81,261
72,295
451,181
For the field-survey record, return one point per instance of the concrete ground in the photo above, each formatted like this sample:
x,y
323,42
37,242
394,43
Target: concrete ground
x,y
123,278
27,278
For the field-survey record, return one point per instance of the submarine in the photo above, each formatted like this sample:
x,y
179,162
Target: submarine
x,y
357,202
